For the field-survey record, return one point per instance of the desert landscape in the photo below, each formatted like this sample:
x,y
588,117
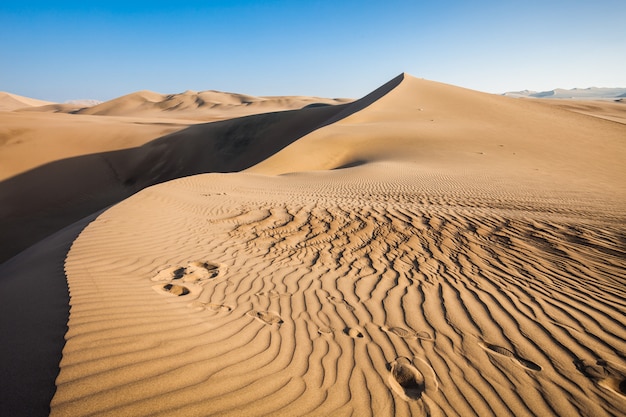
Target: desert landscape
x,y
425,250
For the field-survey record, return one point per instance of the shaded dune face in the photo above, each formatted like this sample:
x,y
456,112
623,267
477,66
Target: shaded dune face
x,y
99,179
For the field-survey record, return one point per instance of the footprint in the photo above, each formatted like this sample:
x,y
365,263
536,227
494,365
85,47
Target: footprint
x,y
179,273
614,384
200,306
178,290
325,330
337,301
401,332
530,365
272,294
353,332
424,335
604,375
405,379
200,271
195,271
407,333
171,273
267,317
219,307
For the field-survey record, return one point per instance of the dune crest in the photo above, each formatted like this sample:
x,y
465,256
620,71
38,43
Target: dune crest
x,y
204,105
10,102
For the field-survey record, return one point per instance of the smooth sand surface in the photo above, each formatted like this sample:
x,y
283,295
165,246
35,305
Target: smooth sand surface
x,y
430,250
614,110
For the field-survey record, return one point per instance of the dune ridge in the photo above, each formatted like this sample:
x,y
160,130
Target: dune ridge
x,y
10,102
407,259
189,105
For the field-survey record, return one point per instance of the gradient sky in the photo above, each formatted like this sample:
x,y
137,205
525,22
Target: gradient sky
x,y
62,50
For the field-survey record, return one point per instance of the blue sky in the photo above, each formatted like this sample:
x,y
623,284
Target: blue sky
x,y
103,49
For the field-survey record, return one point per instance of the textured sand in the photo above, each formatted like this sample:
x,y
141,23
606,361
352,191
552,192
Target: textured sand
x,y
432,251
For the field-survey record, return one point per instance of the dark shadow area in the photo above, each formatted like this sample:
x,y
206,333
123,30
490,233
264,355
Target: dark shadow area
x,y
316,105
34,310
351,164
39,202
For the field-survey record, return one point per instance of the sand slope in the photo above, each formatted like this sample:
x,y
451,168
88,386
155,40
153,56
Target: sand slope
x,y
468,258
53,170
453,130
10,102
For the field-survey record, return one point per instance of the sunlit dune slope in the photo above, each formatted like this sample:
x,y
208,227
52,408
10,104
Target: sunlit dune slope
x,y
9,102
461,132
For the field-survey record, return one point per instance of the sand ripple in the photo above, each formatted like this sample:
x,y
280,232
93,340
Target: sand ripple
x,y
351,296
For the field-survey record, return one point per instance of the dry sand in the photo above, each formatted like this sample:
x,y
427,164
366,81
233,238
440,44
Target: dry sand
x,y
427,250
57,168
10,102
189,105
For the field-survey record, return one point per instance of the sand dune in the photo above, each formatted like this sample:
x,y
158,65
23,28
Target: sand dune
x,y
54,170
423,280
192,105
10,102
106,159
450,130
324,282
427,250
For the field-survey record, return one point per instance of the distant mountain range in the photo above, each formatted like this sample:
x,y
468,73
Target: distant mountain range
x,y
592,93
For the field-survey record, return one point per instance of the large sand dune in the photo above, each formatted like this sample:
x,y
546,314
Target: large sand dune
x,y
427,250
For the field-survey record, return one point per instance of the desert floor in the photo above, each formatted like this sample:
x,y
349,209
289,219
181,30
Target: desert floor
x,y
425,250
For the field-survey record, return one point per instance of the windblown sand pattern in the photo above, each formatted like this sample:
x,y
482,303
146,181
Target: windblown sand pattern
x,y
512,299
419,257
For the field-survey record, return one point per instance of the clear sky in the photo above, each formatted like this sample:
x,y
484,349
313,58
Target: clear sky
x,y
62,50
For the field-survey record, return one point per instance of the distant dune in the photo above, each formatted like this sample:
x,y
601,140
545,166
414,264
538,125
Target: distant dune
x,y
425,250
191,105
9,102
